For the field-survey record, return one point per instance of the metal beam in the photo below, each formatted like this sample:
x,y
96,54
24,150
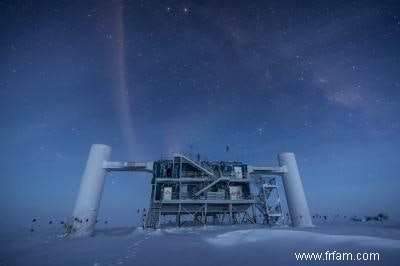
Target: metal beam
x,y
266,170
128,166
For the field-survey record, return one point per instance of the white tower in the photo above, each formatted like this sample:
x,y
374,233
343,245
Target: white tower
x,y
296,200
88,201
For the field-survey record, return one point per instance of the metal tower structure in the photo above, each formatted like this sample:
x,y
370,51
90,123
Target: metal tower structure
x,y
197,191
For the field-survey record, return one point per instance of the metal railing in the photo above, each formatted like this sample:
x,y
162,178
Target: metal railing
x,y
186,196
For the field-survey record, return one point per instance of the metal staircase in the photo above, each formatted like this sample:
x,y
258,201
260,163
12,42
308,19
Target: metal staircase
x,y
198,193
198,164
268,202
153,216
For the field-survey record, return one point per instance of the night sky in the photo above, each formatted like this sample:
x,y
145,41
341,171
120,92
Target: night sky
x,y
318,78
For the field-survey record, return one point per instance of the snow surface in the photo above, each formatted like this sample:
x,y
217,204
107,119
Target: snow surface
x,y
211,245
239,237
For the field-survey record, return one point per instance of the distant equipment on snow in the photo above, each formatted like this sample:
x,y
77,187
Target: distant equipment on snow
x,y
197,191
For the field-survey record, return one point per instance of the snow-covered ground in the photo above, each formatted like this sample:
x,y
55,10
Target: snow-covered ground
x,y
213,245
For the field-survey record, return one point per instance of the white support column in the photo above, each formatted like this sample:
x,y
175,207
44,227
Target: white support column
x,y
296,200
88,200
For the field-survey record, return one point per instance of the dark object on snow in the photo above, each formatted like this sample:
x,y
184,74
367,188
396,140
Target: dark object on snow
x,y
106,222
33,220
31,230
62,222
50,222
382,216
356,219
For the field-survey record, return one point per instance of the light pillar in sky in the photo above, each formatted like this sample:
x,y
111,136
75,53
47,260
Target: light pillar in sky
x,y
88,201
296,200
